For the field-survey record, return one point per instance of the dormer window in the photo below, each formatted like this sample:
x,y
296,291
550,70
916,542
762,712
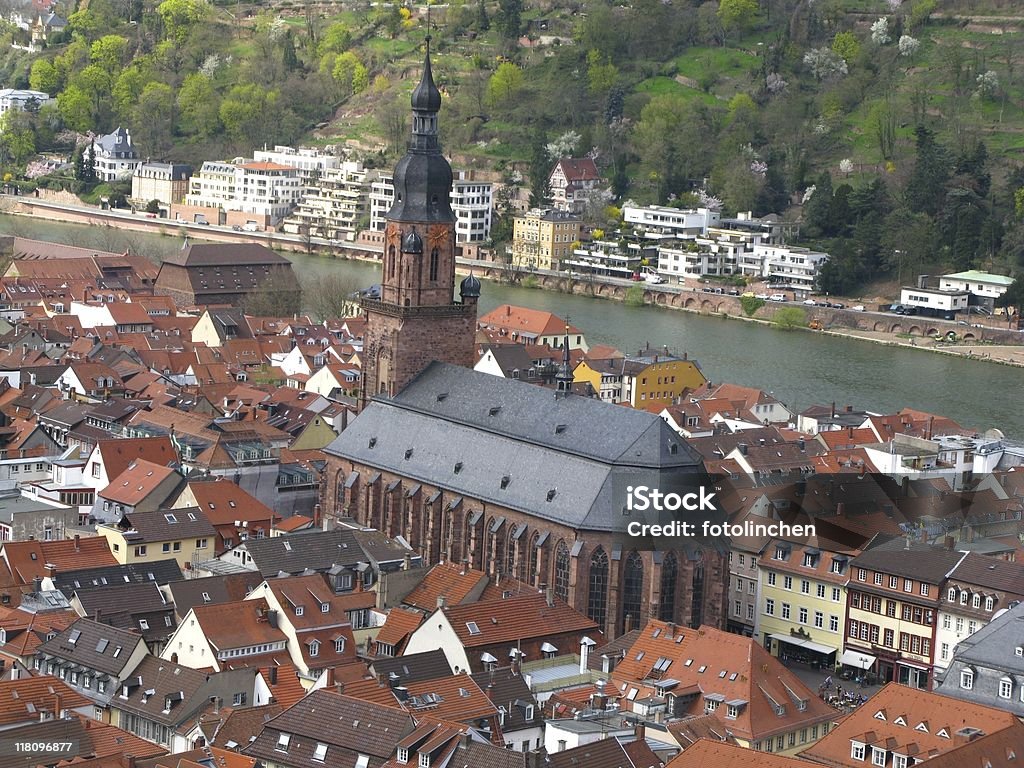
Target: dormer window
x,y
967,679
403,755
299,610
325,607
314,648
989,603
283,740
424,761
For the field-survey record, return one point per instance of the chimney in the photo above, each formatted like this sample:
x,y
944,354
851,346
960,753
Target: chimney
x,y
442,601
833,409
78,543
37,585
465,566
51,570
840,508
550,596
407,562
743,449
57,708
215,700
585,645
640,731
129,761
802,444
442,556
598,700
947,543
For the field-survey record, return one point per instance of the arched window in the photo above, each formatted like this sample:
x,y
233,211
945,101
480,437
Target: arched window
x,y
391,261
633,591
510,553
531,573
597,595
434,259
667,599
562,572
697,595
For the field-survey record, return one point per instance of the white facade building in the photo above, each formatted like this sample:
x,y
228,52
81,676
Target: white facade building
x,y
16,98
939,301
260,188
115,155
657,221
310,162
334,203
979,283
472,201
786,265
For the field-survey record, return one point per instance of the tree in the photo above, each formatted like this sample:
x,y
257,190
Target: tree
x,y
154,118
350,73
335,39
736,14
540,170
44,76
330,296
882,120
109,52
126,91
153,206
179,17
750,305
95,82
243,113
925,189
75,108
17,138
601,73
788,318
89,164
846,45
277,296
198,106
504,84
818,208
509,20
483,22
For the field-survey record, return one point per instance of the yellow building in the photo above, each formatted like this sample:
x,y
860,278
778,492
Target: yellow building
x,y
803,600
142,537
642,381
542,238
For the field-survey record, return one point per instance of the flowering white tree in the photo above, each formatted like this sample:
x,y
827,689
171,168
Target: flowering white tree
x,y
988,83
880,32
825,64
846,166
774,83
808,194
210,65
564,146
894,5
908,45
709,201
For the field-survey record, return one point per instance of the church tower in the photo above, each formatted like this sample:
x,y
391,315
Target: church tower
x,y
417,319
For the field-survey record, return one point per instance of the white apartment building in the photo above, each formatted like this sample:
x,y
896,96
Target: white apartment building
x,y
260,188
310,162
983,284
786,265
472,201
658,221
937,301
334,203
16,98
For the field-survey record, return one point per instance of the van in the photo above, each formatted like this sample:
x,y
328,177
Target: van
x,y
778,297
252,226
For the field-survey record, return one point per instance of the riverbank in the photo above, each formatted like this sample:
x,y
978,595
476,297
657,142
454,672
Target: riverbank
x,y
979,344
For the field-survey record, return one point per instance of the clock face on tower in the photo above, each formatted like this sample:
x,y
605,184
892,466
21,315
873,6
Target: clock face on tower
x,y
438,236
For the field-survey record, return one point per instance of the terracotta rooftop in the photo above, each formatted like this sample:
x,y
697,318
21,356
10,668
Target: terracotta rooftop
x,y
21,701
533,322
237,625
917,723
28,559
715,754
118,453
137,482
455,583
517,618
400,623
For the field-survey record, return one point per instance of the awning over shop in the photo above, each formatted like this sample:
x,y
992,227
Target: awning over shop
x,y
802,643
857,659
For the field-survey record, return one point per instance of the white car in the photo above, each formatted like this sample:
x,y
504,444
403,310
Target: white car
x,y
858,308
778,297
811,303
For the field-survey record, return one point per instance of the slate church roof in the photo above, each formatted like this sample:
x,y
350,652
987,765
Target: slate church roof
x,y
565,459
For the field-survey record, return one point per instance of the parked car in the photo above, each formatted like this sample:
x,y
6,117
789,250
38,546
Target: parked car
x,y
811,303
858,308
897,308
733,292
236,227
762,296
837,305
778,297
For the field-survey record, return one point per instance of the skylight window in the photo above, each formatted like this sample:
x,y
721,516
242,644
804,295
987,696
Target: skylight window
x,y
170,518
473,628
320,753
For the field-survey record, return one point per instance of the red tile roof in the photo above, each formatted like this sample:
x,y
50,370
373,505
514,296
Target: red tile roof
x,y
711,754
118,453
534,322
21,701
517,618
136,483
455,583
223,502
907,720
400,623
28,559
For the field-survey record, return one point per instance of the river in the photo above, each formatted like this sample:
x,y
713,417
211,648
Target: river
x,y
799,368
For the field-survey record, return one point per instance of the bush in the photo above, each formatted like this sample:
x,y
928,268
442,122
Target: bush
x,y
750,305
531,281
788,318
153,206
635,296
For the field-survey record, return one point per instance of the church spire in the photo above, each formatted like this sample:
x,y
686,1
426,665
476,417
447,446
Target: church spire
x,y
426,103
563,379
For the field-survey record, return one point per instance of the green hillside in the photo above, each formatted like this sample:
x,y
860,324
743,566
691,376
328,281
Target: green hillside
x,y
905,118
